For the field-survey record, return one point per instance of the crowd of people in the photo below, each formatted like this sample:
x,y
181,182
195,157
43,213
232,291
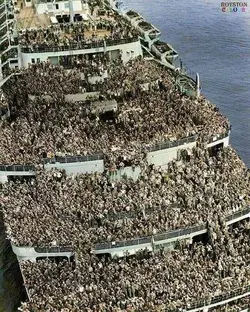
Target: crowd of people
x,y
13,53
3,100
160,281
46,79
150,111
89,65
61,210
240,305
77,35
80,211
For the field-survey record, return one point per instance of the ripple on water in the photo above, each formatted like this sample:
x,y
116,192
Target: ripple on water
x,y
216,45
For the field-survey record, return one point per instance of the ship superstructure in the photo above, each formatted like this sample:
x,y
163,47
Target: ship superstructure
x,y
37,31
33,32
112,161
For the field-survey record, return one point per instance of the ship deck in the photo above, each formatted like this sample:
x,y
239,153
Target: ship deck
x,y
27,18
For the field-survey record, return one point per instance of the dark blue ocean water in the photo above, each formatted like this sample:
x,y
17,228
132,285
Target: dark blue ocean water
x,y
217,46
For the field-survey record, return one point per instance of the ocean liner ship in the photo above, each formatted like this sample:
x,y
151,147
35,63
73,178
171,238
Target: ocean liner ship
x,y
120,190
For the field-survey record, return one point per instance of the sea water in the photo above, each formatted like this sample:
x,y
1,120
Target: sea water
x,y
11,284
215,44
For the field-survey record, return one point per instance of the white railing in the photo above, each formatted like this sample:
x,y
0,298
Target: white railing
x,y
171,236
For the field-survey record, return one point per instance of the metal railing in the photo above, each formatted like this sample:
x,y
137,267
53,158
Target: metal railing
x,y
53,249
237,214
185,70
132,14
188,72
120,215
146,26
216,299
72,159
17,168
131,242
168,235
179,233
149,239
79,46
3,31
3,19
218,137
125,215
169,144
163,47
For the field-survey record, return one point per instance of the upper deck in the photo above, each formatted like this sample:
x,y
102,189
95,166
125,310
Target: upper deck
x,y
34,31
36,23
27,18
42,14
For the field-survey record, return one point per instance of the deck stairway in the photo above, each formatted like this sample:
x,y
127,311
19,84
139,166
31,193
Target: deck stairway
x,y
3,38
6,23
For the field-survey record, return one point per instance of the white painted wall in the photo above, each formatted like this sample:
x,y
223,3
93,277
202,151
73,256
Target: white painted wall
x,y
62,6
129,171
163,157
13,65
28,3
222,302
79,167
29,253
225,142
164,240
78,97
3,178
131,250
101,78
4,174
158,158
129,50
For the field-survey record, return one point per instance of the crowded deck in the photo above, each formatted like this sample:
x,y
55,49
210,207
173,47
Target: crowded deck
x,y
151,161
150,111
165,281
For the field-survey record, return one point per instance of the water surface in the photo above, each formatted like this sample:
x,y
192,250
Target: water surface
x,y
217,46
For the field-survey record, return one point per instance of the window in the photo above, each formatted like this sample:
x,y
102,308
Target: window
x,y
66,5
38,60
33,61
57,6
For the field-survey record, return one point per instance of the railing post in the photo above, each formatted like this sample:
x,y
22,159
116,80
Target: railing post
x,y
197,85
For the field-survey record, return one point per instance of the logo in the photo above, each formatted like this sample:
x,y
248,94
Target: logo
x,y
234,7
